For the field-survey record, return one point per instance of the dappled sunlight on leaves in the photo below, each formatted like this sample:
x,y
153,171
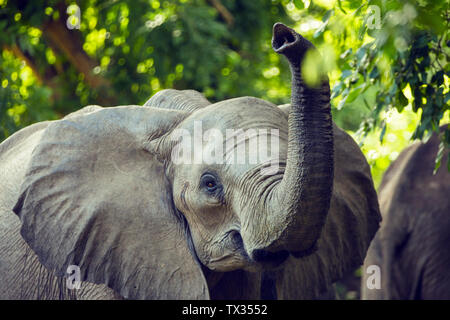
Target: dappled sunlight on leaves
x,y
381,57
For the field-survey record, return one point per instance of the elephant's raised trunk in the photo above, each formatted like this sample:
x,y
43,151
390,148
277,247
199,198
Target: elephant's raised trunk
x,y
304,192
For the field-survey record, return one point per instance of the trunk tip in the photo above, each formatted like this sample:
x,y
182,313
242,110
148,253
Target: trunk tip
x,y
283,37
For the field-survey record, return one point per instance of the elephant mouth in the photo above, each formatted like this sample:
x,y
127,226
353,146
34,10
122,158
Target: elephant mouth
x,y
240,258
270,259
263,258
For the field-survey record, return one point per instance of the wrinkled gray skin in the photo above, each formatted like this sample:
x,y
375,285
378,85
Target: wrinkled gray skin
x,y
412,245
98,189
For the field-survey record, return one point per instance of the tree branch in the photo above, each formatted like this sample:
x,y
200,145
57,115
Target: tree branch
x,y
28,60
46,78
225,14
70,44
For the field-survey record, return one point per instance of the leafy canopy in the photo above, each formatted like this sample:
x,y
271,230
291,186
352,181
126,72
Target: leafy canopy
x,y
387,60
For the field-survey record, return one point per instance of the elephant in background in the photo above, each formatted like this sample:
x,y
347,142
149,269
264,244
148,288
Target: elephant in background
x,y
412,246
99,189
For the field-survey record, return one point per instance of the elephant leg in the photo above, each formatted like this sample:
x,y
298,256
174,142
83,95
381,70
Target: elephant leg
x,y
268,286
234,285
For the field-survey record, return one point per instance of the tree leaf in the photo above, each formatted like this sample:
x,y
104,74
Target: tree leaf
x,y
325,20
402,101
340,7
299,4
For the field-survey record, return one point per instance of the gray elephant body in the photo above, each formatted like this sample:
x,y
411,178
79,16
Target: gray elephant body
x,y
411,247
24,277
102,189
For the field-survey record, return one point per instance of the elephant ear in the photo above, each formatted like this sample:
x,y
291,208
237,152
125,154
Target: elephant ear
x,y
186,100
93,197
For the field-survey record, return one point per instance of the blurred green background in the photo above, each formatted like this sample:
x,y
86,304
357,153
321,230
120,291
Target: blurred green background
x,y
387,61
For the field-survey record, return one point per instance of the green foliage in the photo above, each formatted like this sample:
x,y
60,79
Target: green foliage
x,y
408,51
18,89
392,68
144,46
383,56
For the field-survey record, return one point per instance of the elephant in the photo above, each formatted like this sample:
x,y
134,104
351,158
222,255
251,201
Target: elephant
x,y
410,251
108,191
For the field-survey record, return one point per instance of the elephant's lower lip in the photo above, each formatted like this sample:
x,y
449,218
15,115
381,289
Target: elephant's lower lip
x,y
270,258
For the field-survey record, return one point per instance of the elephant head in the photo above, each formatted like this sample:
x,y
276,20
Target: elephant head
x,y
105,189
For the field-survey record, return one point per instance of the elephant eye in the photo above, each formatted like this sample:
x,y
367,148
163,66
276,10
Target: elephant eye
x,y
209,182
